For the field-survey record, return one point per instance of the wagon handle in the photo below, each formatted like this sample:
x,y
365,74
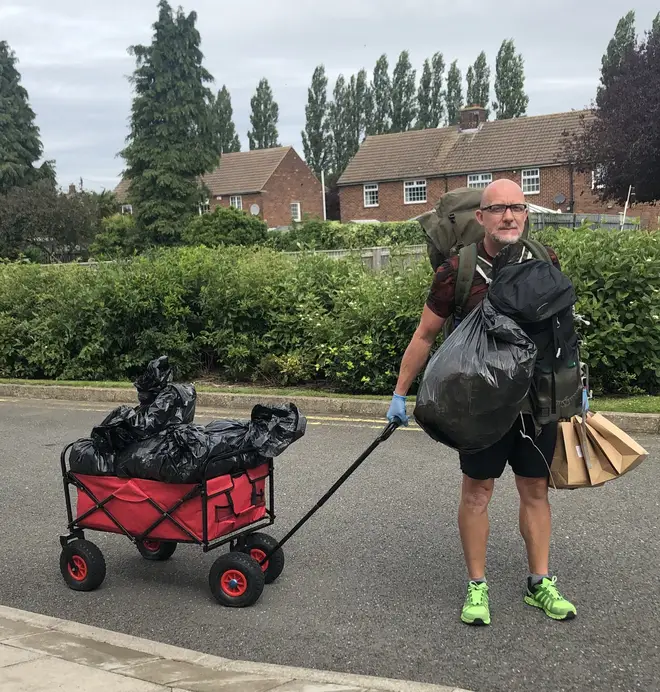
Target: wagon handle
x,y
384,435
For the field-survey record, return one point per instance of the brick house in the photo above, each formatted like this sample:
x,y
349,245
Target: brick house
x,y
274,184
399,176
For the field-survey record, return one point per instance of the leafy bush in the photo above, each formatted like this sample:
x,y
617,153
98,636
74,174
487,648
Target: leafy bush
x,y
118,238
332,235
616,275
257,314
225,226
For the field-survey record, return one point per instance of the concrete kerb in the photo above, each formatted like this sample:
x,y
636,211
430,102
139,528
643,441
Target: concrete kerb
x,y
167,652
631,423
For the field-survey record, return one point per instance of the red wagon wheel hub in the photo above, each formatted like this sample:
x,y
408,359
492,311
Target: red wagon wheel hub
x,y
77,568
233,583
259,555
152,546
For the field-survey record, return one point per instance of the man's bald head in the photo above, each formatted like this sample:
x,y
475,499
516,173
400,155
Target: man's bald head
x,y
502,191
503,212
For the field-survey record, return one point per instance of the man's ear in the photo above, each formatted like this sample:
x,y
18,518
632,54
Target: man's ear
x,y
480,216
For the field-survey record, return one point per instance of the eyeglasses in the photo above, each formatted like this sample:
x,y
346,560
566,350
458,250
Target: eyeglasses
x,y
501,208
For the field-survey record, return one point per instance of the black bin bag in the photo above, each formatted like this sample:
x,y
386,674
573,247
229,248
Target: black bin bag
x,y
476,383
88,459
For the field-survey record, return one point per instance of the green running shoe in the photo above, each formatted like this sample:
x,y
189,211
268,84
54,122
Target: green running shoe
x,y
546,596
475,610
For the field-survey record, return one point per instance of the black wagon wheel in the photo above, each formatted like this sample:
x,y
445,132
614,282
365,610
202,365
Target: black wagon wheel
x,y
151,549
236,580
82,565
259,545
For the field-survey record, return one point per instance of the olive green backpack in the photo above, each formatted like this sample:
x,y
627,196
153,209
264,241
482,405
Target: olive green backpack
x,y
451,228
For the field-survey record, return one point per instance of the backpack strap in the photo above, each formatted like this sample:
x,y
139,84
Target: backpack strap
x,y
538,250
467,265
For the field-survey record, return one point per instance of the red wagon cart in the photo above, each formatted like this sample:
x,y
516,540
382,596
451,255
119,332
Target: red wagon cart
x,y
156,516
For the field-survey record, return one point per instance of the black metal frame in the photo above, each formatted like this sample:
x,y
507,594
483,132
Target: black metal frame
x,y
200,490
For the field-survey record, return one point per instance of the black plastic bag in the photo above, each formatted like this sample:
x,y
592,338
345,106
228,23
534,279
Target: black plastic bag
x,y
86,458
117,430
475,384
174,405
190,453
154,380
175,455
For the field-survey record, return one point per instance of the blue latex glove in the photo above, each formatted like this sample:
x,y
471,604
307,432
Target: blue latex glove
x,y
398,410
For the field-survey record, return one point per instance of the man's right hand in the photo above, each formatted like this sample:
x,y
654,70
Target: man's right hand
x,y
397,410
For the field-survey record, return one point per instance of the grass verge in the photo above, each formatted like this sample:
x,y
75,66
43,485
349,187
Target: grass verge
x,y
633,404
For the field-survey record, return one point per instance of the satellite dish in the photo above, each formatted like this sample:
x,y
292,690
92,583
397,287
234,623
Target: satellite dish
x,y
560,198
254,210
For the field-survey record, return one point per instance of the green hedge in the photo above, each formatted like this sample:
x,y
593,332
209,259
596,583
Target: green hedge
x,y
332,235
256,314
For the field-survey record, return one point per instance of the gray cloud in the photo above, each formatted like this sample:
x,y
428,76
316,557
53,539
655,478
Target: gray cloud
x,y
74,61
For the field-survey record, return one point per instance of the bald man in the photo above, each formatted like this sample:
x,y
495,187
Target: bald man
x,y
502,213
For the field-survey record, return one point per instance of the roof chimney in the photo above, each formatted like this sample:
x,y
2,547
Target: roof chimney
x,y
472,118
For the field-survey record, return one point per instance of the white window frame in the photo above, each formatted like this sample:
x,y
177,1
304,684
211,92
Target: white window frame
x,y
236,201
205,207
594,174
414,185
127,209
532,175
370,188
479,181
297,217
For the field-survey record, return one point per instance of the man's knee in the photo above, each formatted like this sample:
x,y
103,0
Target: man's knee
x,y
476,494
532,490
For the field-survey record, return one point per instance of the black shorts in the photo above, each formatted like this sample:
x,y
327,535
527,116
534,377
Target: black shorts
x,y
528,457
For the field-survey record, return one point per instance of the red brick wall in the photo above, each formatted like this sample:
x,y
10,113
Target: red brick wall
x,y
554,180
390,202
293,181
247,200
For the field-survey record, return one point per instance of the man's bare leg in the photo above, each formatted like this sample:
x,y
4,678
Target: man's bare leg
x,y
473,524
535,522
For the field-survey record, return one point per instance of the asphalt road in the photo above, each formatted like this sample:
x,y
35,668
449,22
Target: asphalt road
x,y
374,583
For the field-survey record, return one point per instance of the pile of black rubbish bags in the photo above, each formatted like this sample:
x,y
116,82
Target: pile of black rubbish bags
x,y
157,440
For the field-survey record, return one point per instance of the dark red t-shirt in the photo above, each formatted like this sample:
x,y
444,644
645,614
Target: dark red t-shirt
x,y
443,290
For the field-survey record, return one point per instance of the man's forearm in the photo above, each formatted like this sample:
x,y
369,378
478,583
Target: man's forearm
x,y
412,363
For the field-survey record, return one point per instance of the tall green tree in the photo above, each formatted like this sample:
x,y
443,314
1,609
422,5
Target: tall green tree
x,y
173,139
316,135
20,141
478,82
381,87
224,114
264,117
619,49
339,119
512,101
404,104
359,114
424,97
454,98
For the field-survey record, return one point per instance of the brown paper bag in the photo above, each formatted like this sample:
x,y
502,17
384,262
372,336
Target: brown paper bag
x,y
632,453
568,469
599,468
607,449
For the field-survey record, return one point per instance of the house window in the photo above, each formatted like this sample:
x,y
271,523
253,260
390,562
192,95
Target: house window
x,y
127,209
414,191
531,181
236,201
370,195
480,180
596,177
205,207
295,211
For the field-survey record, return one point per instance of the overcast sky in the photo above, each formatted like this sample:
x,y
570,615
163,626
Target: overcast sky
x,y
74,61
